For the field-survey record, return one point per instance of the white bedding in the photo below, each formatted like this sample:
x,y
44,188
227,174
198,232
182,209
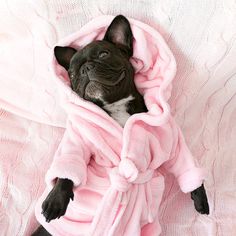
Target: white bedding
x,y
201,35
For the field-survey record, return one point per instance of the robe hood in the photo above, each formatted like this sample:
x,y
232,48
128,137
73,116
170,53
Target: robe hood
x,y
154,65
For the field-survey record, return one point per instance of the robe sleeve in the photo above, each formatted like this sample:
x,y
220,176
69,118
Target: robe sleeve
x,y
70,160
183,165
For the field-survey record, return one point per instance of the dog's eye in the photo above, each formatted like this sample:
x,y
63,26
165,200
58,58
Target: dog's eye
x,y
103,54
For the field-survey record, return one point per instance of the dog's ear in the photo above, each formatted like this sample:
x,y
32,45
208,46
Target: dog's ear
x,y
119,33
64,55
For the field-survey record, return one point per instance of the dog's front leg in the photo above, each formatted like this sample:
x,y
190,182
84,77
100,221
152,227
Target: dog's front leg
x,y
200,200
55,205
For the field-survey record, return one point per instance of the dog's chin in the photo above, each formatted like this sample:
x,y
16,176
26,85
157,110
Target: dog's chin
x,y
94,92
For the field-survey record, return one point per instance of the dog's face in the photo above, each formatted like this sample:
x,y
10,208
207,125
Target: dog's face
x,y
101,72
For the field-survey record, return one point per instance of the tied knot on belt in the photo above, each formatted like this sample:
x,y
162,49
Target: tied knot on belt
x,y
126,174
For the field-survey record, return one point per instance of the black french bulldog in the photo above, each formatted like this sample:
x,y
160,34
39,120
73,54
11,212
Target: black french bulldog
x,y
101,73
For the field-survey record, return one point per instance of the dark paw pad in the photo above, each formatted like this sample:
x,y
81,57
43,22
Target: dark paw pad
x,y
200,200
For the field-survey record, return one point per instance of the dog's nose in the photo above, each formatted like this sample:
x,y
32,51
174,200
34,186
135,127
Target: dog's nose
x,y
86,68
89,67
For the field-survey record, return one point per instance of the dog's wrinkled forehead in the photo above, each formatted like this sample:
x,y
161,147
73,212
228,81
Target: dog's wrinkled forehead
x,y
96,50
95,46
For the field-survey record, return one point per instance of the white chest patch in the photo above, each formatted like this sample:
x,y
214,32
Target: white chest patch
x,y
118,110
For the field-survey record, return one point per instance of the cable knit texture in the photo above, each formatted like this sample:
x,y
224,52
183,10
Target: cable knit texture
x,y
201,35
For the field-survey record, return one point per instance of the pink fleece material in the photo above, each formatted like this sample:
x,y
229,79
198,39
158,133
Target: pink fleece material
x,y
117,172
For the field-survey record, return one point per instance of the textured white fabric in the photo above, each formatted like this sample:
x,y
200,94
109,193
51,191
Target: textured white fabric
x,y
201,35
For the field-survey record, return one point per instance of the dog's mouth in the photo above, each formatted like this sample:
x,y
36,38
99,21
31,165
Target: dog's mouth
x,y
106,81
97,87
97,90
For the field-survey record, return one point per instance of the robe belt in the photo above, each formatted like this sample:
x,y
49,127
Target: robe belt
x,y
126,174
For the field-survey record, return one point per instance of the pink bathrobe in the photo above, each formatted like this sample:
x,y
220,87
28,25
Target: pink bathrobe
x,y
116,170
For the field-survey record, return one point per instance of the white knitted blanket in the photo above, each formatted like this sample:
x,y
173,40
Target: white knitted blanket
x,y
201,34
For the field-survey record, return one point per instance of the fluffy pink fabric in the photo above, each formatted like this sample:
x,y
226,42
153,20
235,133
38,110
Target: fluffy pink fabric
x,y
117,172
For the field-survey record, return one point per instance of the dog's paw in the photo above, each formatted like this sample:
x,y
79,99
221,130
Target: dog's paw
x,y
55,205
200,200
